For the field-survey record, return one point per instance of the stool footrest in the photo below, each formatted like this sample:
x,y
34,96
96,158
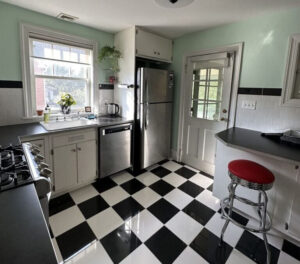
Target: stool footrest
x,y
225,204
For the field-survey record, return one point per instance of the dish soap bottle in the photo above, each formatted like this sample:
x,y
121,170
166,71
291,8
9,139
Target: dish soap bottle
x,y
47,114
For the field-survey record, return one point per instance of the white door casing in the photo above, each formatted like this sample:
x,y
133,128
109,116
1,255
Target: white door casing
x,y
206,107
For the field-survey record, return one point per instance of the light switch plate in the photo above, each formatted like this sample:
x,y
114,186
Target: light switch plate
x,y
250,105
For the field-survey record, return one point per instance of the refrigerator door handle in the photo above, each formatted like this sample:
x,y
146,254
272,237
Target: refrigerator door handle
x,y
146,116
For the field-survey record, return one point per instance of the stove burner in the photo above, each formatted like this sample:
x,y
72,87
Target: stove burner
x,y
6,178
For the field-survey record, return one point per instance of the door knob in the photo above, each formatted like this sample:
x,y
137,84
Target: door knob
x,y
224,111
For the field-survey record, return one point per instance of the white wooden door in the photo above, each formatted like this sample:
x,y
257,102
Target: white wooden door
x,y
87,160
207,100
65,167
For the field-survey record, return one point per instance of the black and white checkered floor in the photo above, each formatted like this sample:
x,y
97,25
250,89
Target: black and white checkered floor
x,y
164,215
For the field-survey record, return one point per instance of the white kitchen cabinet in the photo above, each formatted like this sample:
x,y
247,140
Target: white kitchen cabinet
x,y
65,167
152,46
86,161
74,159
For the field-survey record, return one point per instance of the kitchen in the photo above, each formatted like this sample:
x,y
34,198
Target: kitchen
x,y
137,170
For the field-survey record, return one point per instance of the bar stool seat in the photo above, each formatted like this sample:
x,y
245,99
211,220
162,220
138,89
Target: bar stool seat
x,y
254,176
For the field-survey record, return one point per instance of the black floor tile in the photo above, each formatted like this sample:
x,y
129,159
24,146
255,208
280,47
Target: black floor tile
x,y
75,239
161,187
160,171
128,208
210,187
105,184
132,186
60,203
207,175
136,173
163,210
165,245
237,217
291,249
185,172
207,245
191,188
120,243
254,248
199,212
93,206
163,161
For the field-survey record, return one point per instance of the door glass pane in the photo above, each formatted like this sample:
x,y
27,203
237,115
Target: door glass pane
x,y
207,92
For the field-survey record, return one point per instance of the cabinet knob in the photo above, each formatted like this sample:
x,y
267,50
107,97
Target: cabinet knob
x,y
79,149
73,150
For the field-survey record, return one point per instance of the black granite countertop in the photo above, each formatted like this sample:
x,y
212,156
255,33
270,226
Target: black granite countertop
x,y
24,237
10,134
253,140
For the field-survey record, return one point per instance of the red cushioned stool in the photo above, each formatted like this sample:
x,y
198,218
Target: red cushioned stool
x,y
254,176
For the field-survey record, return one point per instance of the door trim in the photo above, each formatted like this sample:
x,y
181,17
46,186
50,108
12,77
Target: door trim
x,y
238,49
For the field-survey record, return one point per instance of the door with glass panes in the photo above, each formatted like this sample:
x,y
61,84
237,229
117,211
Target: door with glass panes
x,y
206,111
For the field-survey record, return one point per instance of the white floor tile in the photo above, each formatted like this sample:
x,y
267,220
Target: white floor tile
x,y
174,179
171,165
189,256
191,168
84,194
104,222
236,257
57,251
201,180
65,220
146,197
287,259
178,198
233,233
114,195
206,197
147,178
94,254
142,255
144,225
122,177
185,227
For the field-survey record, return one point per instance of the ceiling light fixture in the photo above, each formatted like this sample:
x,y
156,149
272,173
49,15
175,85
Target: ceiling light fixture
x,y
173,3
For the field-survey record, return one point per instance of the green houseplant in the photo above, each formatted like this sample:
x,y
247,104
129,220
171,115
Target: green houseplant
x,y
110,55
65,102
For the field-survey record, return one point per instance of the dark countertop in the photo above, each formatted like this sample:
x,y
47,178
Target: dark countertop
x,y
24,237
11,134
253,140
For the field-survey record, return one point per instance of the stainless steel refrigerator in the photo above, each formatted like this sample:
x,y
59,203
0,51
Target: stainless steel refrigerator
x,y
154,114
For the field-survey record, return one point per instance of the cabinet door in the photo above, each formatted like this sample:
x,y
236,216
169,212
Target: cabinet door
x,y
87,161
153,46
65,167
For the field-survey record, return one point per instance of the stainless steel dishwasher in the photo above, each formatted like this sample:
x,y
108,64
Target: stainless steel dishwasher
x,y
114,149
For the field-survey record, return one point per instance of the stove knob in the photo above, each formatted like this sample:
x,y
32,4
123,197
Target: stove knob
x,y
35,151
46,172
39,158
42,165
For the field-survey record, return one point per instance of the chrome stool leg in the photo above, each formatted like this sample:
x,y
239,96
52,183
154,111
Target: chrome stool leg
x,y
231,188
263,225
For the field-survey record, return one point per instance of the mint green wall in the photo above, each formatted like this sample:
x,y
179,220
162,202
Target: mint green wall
x,y
10,19
265,48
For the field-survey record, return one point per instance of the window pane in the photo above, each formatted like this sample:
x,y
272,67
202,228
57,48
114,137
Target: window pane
x,y
62,69
212,111
61,52
41,49
78,71
42,67
48,91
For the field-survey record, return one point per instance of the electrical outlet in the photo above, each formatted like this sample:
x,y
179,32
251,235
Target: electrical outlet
x,y
250,105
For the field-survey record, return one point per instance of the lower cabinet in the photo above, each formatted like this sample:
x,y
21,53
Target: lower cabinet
x,y
74,159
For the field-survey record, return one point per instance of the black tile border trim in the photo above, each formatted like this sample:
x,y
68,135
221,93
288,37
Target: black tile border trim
x,y
260,91
11,84
106,86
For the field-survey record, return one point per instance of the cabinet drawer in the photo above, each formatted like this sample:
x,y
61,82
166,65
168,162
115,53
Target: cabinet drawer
x,y
74,137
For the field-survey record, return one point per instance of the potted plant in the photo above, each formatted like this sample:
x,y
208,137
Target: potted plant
x,y
65,102
112,56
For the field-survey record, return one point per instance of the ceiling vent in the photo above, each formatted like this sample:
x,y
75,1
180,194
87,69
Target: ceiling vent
x,y
173,3
67,17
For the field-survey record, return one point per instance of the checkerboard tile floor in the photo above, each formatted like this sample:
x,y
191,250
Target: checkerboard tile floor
x,y
167,214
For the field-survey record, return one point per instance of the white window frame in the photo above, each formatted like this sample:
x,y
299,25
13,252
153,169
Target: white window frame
x,y
30,31
293,58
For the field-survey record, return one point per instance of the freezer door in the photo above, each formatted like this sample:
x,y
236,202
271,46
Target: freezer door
x,y
156,133
155,86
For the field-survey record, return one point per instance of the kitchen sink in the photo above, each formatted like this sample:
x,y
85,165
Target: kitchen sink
x,y
67,124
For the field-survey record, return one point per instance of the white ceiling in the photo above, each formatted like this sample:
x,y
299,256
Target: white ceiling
x,y
115,15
